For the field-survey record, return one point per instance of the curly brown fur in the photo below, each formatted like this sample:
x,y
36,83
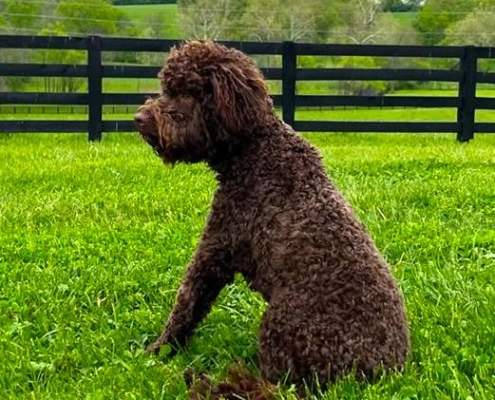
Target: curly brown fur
x,y
239,381
277,219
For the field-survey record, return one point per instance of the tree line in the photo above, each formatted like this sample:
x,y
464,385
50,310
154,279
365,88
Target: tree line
x,y
141,2
59,18
64,17
432,22
429,22
342,21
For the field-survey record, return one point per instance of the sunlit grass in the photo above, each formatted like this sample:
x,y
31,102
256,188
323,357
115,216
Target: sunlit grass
x,y
302,114
94,239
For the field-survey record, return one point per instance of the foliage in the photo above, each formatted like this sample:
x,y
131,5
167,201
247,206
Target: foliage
x,y
144,2
75,17
360,87
260,20
13,83
52,56
264,21
396,31
456,22
359,22
152,20
363,22
437,15
94,240
3,22
274,20
21,14
401,5
96,17
210,19
478,29
155,25
346,21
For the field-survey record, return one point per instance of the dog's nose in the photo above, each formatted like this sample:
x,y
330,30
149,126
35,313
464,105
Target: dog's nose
x,y
140,119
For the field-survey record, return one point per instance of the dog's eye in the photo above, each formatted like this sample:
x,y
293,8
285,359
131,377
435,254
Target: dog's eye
x,y
178,116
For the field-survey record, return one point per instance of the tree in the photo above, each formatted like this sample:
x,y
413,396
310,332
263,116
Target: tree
x,y
155,25
3,23
129,2
401,5
272,22
261,21
17,16
437,15
95,17
469,32
396,32
21,14
360,87
301,20
477,29
359,22
211,19
52,56
298,25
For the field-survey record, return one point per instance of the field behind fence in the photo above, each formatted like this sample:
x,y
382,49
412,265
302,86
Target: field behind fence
x,y
466,76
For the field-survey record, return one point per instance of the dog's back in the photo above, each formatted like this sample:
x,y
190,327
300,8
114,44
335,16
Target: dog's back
x,y
333,303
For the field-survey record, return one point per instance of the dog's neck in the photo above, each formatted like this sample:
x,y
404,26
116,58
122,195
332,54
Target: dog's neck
x,y
230,162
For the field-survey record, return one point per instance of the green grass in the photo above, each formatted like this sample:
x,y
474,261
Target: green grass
x,y
338,114
407,18
115,85
94,239
141,14
387,114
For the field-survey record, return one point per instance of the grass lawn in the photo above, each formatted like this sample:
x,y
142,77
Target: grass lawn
x,y
352,114
396,114
407,18
94,239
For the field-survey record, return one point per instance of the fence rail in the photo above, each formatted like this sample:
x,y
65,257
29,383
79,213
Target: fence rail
x,y
466,77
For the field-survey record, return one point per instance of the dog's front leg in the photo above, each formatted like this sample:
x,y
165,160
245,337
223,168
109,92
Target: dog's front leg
x,y
206,275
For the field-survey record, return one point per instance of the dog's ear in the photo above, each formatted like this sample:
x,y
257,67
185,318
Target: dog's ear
x,y
240,95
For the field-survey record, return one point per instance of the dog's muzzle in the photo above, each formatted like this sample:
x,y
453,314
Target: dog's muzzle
x,y
141,120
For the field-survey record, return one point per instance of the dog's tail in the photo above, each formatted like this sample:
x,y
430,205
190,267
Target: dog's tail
x,y
239,384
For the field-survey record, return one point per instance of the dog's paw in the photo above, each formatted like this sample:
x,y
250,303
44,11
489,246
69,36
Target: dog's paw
x,y
153,349
192,376
161,349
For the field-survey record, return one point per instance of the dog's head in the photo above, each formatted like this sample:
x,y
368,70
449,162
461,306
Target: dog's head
x,y
211,97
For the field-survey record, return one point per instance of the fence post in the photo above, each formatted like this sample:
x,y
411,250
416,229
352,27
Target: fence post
x,y
289,67
95,125
467,94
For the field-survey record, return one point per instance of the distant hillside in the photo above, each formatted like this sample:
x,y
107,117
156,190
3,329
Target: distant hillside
x,y
406,17
141,2
144,15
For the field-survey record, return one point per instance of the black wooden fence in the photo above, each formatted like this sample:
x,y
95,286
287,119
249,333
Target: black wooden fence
x,y
466,76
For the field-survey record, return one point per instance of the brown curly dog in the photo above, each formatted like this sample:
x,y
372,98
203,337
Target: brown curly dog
x,y
276,218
